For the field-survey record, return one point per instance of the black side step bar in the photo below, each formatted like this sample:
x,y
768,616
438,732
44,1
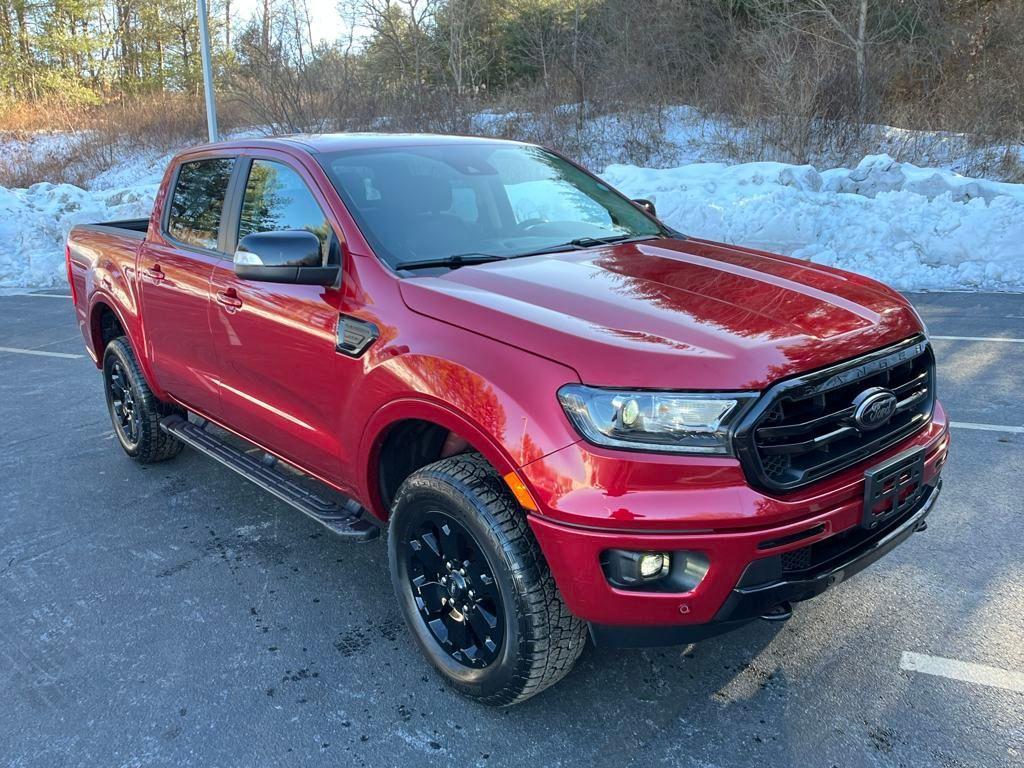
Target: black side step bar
x,y
345,520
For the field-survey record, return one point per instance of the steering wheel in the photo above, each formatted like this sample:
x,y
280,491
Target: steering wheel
x,y
530,223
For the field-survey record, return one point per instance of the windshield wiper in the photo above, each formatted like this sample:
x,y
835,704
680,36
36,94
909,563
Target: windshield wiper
x,y
581,243
465,259
456,260
590,242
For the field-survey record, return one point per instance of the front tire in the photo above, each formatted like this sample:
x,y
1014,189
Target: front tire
x,y
134,410
473,584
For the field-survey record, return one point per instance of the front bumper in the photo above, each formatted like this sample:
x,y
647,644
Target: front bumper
x,y
753,598
628,502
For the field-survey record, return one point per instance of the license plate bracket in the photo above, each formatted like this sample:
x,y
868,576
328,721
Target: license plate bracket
x,y
893,487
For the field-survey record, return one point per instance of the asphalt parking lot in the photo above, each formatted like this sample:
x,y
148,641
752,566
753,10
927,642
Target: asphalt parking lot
x,y
175,615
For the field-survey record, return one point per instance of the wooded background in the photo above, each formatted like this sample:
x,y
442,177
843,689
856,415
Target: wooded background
x,y
794,76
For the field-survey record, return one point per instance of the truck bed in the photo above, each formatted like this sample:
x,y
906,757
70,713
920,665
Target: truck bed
x,y
106,251
135,228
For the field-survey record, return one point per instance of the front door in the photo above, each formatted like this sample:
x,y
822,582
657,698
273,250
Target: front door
x,y
280,374
174,274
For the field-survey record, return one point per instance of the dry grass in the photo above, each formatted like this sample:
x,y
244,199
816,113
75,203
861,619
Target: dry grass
x,y
97,137
777,96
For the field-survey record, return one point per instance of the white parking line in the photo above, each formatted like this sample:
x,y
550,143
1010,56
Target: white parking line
x,y
978,338
17,351
962,670
43,295
988,427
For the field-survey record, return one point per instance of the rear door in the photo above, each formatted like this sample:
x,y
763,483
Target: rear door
x,y
175,265
280,373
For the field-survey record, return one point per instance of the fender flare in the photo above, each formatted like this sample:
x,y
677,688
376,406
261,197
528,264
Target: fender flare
x,y
425,409
130,331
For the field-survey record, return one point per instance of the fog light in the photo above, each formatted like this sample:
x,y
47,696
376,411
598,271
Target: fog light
x,y
677,571
653,564
624,568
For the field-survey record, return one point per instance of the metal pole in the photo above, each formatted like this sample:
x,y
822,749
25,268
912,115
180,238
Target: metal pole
x,y
204,45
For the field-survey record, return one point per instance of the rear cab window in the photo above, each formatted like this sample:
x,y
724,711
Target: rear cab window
x,y
198,202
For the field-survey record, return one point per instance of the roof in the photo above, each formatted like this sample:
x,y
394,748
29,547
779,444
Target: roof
x,y
334,142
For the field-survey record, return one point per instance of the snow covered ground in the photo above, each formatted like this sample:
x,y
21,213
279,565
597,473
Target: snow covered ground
x,y
673,136
913,227
34,222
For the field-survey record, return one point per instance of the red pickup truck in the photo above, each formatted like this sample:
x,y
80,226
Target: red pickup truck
x,y
568,416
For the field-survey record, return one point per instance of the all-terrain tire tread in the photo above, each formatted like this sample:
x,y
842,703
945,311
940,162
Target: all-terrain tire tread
x,y
554,637
154,445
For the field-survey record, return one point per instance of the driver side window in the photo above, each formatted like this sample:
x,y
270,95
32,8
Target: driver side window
x,y
276,199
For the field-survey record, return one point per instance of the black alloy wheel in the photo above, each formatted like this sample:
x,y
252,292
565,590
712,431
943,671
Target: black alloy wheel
x,y
122,403
135,411
473,585
454,589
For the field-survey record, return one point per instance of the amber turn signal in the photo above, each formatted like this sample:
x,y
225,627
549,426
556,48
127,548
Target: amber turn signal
x,y
520,491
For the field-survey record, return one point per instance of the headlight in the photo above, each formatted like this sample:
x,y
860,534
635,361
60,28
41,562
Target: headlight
x,y
676,422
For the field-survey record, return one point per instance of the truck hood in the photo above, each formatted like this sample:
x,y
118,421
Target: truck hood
x,y
672,314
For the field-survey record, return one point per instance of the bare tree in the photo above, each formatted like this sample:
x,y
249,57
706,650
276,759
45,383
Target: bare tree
x,y
401,28
845,23
279,77
467,59
536,23
227,24
576,52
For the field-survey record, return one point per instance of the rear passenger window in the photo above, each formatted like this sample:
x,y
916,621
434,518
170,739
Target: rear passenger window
x,y
277,200
198,200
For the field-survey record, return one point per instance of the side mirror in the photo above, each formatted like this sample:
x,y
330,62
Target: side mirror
x,y
284,257
646,204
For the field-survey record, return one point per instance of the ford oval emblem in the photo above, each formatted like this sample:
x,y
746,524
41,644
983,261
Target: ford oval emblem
x,y
874,407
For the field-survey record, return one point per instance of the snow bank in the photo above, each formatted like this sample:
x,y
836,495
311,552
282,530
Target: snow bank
x,y
914,228
34,223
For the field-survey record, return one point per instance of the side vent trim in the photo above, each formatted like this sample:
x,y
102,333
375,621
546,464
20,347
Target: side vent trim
x,y
355,336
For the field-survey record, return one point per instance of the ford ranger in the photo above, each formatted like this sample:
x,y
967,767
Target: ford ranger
x,y
570,419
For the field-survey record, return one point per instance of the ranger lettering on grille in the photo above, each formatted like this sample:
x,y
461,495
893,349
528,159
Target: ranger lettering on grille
x,y
866,369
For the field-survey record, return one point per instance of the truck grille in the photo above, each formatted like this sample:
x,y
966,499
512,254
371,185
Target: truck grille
x,y
805,429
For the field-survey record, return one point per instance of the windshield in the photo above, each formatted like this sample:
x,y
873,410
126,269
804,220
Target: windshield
x,y
502,200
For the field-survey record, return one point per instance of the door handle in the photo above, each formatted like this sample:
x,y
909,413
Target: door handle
x,y
229,299
155,273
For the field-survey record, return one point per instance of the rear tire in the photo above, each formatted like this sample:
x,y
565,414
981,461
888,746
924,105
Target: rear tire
x,y
134,410
459,540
